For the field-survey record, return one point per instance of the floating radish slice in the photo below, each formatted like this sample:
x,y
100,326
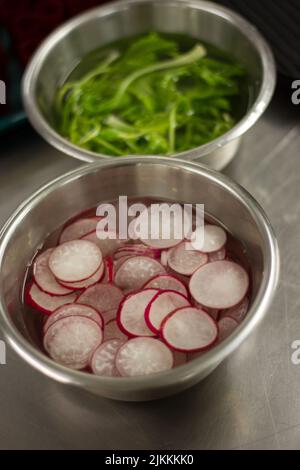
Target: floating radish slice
x,y
44,302
103,297
221,284
73,310
162,304
143,356
238,312
166,226
75,261
135,271
180,358
167,282
103,359
217,255
44,277
88,282
189,329
112,331
184,260
131,315
70,341
164,258
214,238
107,246
226,326
118,263
109,270
109,315
78,229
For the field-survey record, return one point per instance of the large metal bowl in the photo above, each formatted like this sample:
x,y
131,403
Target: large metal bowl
x,y
139,177
63,50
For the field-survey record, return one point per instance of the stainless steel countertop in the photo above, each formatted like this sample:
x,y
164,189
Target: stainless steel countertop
x,y
252,400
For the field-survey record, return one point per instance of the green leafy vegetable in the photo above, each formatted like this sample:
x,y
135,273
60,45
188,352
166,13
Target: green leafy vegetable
x,y
149,99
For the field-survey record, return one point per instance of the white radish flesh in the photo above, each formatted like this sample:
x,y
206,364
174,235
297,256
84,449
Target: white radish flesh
x,y
214,239
46,303
75,261
221,284
103,359
217,255
167,282
112,331
136,271
184,260
161,306
226,326
143,356
78,229
189,329
70,341
88,282
107,246
103,297
73,310
238,312
44,277
131,316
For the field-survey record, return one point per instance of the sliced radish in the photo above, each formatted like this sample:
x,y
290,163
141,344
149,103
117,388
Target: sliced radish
x,y
184,260
44,277
112,331
166,227
70,341
75,261
161,305
214,238
78,229
189,329
226,326
103,297
136,250
107,246
131,315
238,312
143,356
217,255
135,271
109,270
167,282
44,302
109,315
180,358
72,310
103,359
221,284
164,258
118,263
88,282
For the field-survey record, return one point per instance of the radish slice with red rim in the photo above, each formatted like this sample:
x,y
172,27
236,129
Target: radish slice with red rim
x,y
78,229
226,326
88,282
46,303
112,331
167,282
70,341
189,329
136,271
143,356
107,246
162,304
44,277
214,239
164,258
184,260
221,284
103,359
238,312
75,261
69,310
131,315
219,255
103,297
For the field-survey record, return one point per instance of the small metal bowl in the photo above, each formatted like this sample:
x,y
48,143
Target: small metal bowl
x,y
64,49
139,177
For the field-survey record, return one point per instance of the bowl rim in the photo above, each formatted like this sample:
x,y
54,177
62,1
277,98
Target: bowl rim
x,y
192,369
30,78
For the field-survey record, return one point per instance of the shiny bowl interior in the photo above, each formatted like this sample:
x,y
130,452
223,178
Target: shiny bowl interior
x,y
64,49
162,178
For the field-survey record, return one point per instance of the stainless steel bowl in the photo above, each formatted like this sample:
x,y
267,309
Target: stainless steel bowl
x,y
85,187
63,50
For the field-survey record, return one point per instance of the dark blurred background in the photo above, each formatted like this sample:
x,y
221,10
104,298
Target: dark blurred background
x,y
25,23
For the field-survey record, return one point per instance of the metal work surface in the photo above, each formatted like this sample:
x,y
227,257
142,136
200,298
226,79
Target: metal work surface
x,y
251,401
